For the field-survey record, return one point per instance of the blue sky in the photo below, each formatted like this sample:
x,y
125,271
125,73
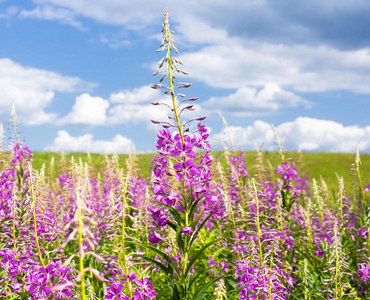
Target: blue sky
x,y
79,71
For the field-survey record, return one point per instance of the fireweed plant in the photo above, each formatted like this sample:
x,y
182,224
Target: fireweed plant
x,y
187,205
201,226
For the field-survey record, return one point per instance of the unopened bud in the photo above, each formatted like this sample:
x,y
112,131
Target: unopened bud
x,y
200,119
155,103
155,86
156,122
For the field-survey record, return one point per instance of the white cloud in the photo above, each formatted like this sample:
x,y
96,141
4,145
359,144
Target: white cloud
x,y
134,106
307,133
197,31
133,14
235,52
125,107
249,101
236,63
116,41
86,143
144,94
50,13
87,110
31,90
9,12
136,114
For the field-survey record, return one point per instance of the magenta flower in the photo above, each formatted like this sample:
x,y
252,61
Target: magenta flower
x,y
185,149
186,231
144,290
114,292
50,270
36,284
164,138
155,238
187,169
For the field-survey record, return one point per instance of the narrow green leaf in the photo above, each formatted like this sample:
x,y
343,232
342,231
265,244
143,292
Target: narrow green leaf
x,y
193,207
175,293
162,254
179,239
184,202
160,265
176,214
195,222
200,293
172,225
195,257
194,236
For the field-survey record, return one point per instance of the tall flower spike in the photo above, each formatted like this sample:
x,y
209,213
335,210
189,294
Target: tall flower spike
x,y
171,68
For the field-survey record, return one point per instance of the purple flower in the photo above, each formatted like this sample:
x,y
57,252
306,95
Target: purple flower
x,y
115,292
185,149
50,270
364,273
164,138
187,169
362,231
288,173
170,200
155,238
186,231
145,290
36,284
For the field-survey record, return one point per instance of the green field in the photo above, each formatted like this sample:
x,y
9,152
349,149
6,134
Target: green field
x,y
326,165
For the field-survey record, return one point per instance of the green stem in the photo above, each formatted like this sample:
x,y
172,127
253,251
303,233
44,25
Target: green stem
x,y
123,253
35,222
258,221
362,191
80,246
270,271
341,188
14,235
170,77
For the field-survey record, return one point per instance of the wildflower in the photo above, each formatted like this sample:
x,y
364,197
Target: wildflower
x,y
364,273
115,292
144,290
186,231
155,238
36,284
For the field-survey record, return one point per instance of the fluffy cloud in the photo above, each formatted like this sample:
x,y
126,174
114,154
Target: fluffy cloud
x,y
306,133
133,106
125,107
9,12
86,143
132,14
311,20
31,90
247,101
144,94
236,63
247,49
87,110
50,13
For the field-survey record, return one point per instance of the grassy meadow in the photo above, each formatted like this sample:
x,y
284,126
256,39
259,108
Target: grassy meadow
x,y
327,166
